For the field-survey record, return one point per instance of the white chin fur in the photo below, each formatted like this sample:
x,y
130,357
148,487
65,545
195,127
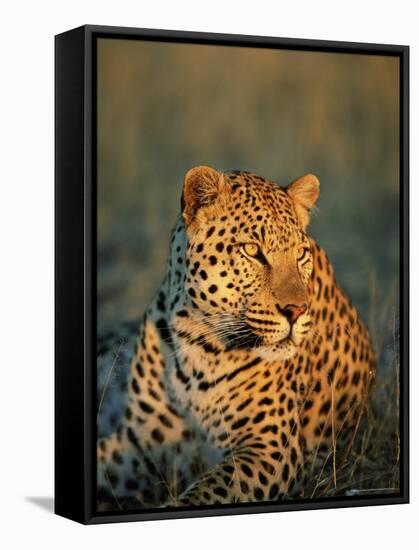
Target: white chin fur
x,y
277,352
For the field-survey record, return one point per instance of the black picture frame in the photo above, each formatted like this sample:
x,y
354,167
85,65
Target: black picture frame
x,y
75,269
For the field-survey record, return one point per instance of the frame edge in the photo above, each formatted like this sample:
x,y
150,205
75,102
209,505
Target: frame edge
x,y
69,275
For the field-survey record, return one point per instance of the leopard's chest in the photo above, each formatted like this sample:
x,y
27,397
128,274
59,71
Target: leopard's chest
x,y
219,393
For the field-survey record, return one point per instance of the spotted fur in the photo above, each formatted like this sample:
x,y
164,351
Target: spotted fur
x,y
250,363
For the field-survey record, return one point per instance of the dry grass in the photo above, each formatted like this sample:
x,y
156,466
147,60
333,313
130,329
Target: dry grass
x,y
373,465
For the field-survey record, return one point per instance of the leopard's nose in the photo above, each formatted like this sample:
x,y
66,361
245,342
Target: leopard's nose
x,y
292,312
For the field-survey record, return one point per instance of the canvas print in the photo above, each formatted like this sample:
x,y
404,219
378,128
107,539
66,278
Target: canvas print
x,y
248,255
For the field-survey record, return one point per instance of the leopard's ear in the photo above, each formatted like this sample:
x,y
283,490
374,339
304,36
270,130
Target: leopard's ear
x,y
201,187
304,192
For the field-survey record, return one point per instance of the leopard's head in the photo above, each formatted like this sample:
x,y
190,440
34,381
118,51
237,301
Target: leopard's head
x,y
248,258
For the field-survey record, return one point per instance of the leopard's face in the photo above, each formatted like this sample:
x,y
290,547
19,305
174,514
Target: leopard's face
x,y
248,262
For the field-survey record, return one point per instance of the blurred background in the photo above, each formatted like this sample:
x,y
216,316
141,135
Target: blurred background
x,y
163,108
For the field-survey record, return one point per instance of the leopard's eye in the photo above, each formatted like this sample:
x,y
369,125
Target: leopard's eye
x,y
251,249
301,253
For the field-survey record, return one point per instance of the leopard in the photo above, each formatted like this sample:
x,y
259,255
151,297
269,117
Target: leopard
x,y
250,363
